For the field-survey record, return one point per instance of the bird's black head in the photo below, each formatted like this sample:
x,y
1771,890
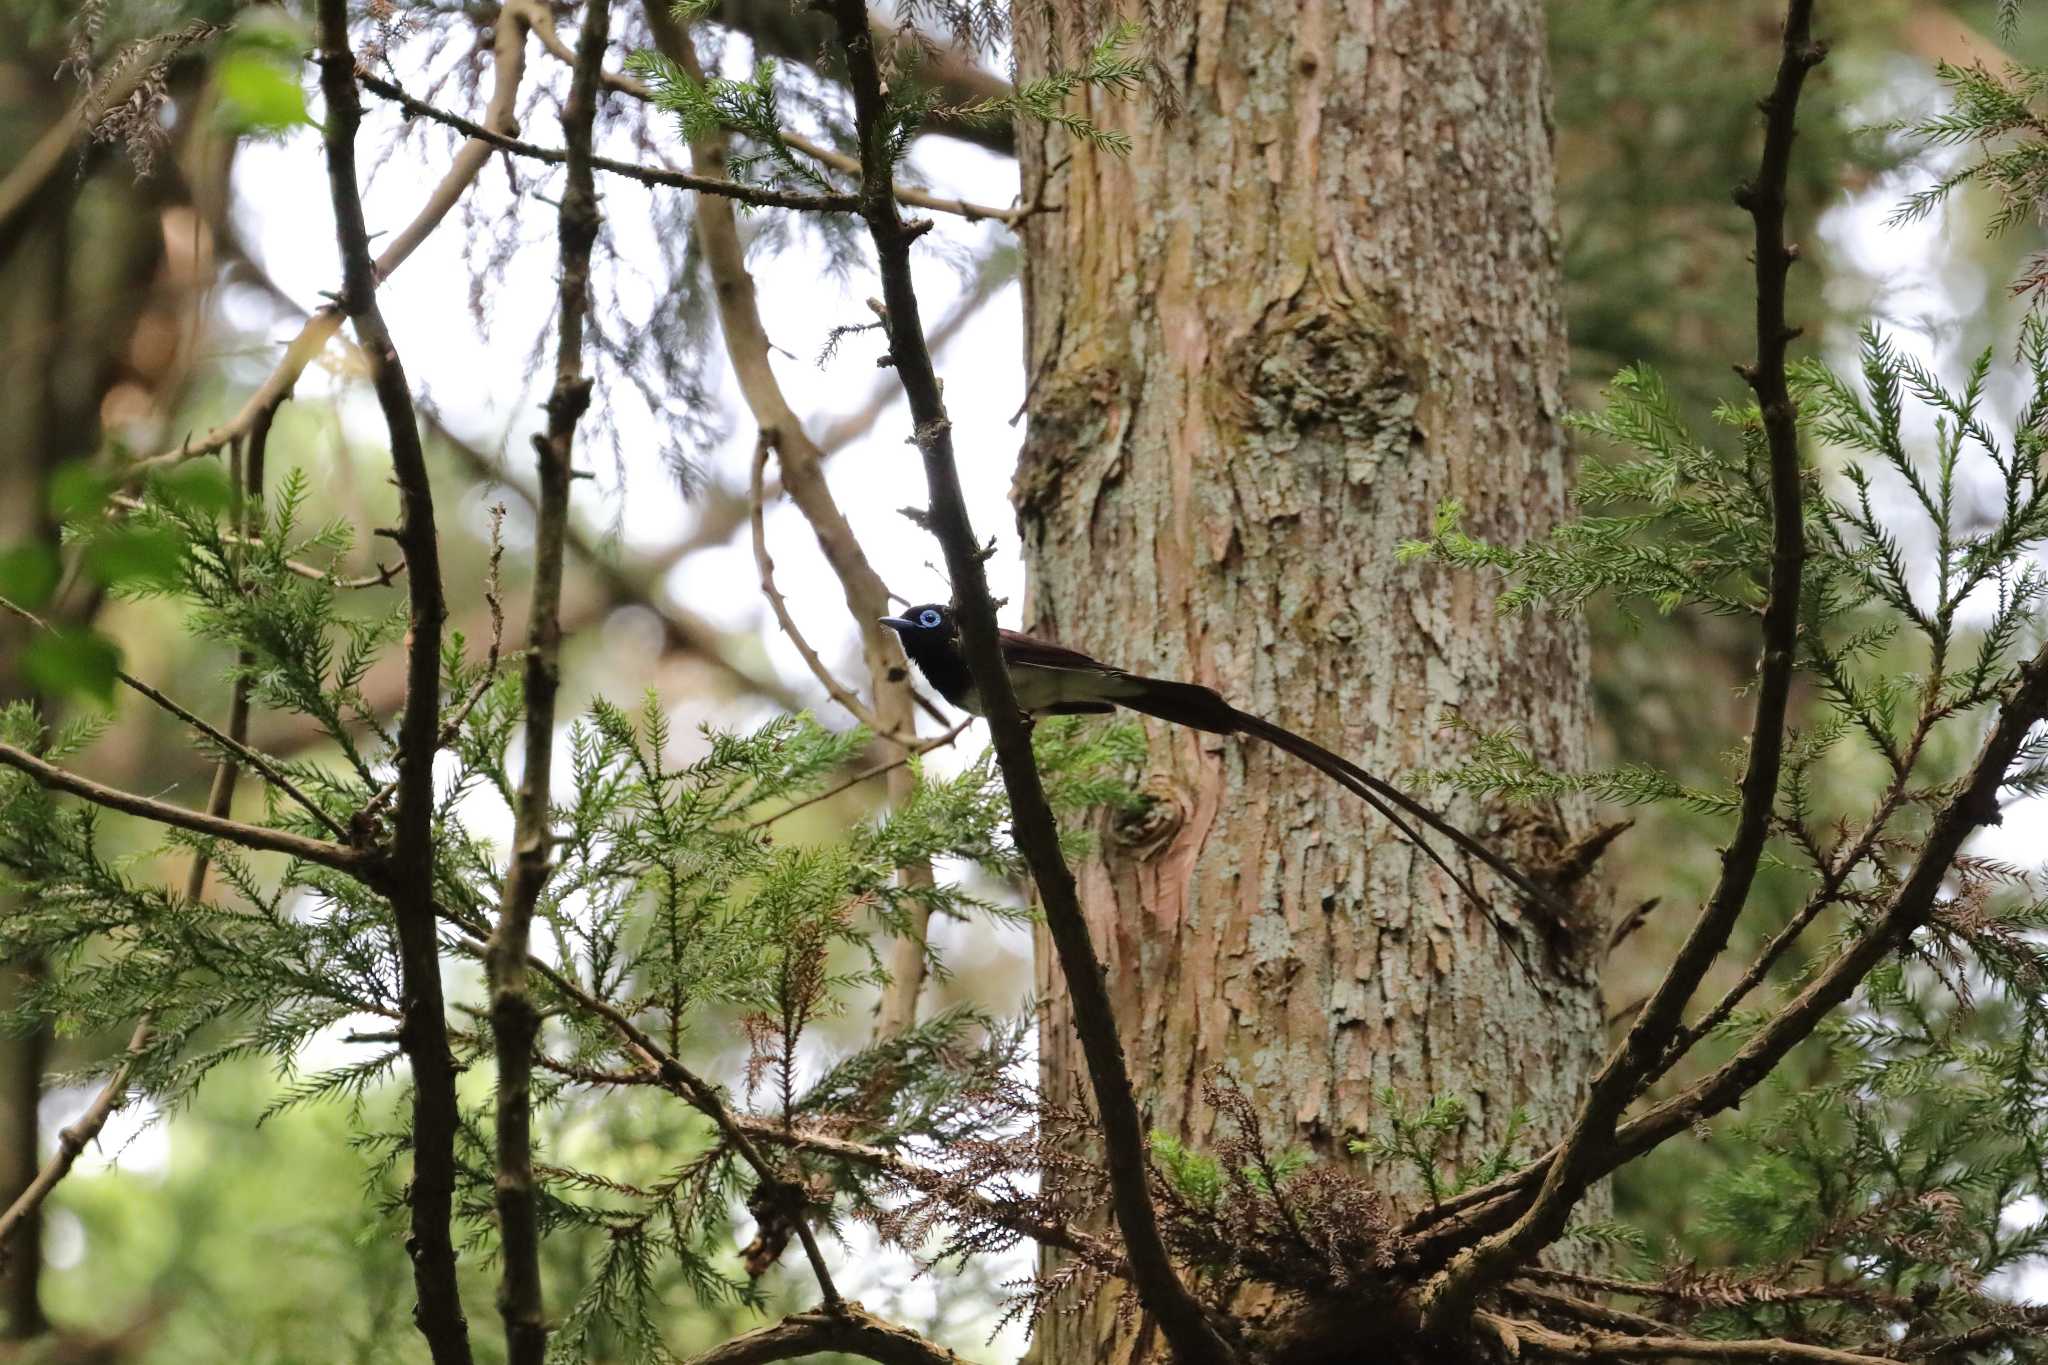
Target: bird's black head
x,y
927,625
933,645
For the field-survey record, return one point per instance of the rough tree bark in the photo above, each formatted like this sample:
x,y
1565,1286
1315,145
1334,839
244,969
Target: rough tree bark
x,y
1263,348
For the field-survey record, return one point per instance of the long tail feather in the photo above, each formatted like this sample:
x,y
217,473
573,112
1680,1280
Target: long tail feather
x,y
1202,708
1355,778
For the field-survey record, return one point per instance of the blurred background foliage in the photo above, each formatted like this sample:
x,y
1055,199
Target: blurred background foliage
x,y
132,311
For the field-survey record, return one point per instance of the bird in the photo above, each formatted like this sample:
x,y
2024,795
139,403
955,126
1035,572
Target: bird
x,y
1053,680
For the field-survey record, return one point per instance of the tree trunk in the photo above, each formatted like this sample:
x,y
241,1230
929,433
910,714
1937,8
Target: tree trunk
x,y
1263,348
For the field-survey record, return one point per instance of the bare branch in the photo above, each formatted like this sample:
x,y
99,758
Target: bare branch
x,y
410,879
851,1330
765,566
1449,1298
515,1024
1542,1341
544,29
1181,1318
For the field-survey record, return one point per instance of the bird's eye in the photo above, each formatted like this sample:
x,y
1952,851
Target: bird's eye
x,y
928,618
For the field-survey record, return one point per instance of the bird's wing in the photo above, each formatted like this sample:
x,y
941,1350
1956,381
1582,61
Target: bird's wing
x,y
1032,652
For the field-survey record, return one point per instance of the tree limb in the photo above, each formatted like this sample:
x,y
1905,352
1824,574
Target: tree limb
x,y
853,1331
515,1024
410,877
1580,1160
1181,1318
341,857
1539,1340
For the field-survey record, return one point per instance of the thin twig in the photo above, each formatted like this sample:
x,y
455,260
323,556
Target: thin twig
x,y
757,195
384,577
924,745
544,29
764,565
410,880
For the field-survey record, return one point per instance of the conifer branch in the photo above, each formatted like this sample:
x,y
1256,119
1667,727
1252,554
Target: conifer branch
x,y
227,739
341,857
1583,1155
701,1094
515,1023
1182,1319
409,877
73,1139
927,1181
756,195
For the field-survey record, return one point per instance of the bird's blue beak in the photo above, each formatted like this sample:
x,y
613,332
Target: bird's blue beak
x,y
899,624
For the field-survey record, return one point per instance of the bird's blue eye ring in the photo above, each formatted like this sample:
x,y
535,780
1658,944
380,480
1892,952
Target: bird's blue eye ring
x,y
928,618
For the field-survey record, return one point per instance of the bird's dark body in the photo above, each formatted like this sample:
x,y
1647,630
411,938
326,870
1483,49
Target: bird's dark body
x,y
1051,679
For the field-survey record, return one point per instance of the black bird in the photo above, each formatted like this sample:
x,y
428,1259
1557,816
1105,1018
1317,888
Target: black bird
x,y
1053,680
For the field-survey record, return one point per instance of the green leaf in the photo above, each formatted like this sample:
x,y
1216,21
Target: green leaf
x,y
200,486
28,574
77,492
259,94
72,663
135,557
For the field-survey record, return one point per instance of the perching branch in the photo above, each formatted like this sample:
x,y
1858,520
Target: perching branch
x,y
409,879
1181,1318
515,1023
1581,1160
